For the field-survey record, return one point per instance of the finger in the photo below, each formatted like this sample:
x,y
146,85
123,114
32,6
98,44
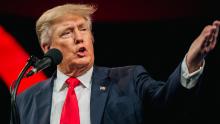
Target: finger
x,y
209,37
216,33
214,39
209,30
212,45
209,34
217,23
212,35
206,42
209,45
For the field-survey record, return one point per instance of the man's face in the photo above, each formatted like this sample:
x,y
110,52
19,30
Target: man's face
x,y
72,35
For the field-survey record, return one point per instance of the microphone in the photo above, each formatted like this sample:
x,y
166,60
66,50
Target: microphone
x,y
52,57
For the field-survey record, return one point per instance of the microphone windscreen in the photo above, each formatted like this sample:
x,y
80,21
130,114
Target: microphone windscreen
x,y
55,55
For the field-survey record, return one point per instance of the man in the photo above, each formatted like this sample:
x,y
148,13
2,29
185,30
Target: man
x,y
104,95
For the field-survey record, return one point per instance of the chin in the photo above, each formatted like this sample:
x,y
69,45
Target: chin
x,y
84,62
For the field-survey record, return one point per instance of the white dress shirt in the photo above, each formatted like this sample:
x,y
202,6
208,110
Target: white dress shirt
x,y
83,92
189,80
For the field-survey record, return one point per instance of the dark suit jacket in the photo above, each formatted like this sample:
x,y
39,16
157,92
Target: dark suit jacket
x,y
122,102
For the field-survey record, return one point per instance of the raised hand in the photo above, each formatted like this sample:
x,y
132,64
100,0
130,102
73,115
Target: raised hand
x,y
201,46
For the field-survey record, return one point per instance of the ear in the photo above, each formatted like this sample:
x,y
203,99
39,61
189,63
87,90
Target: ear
x,y
45,47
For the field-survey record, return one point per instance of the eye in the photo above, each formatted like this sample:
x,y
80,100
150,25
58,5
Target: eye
x,y
83,29
66,34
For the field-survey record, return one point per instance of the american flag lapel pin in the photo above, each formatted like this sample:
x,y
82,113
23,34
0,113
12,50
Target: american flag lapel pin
x,y
103,88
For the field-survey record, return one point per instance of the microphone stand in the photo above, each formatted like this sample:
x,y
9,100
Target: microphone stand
x,y
15,118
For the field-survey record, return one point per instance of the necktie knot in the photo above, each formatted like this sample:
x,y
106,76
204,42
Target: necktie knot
x,y
72,82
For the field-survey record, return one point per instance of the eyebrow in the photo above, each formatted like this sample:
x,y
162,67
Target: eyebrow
x,y
67,26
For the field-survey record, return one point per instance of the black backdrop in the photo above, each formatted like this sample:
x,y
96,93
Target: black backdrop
x,y
159,45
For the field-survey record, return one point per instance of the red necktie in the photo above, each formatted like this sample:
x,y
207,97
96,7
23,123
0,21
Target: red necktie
x,y
70,112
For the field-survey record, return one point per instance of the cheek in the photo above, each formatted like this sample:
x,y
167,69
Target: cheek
x,y
90,43
67,51
63,45
90,47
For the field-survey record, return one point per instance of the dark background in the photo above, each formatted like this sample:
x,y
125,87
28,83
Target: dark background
x,y
152,33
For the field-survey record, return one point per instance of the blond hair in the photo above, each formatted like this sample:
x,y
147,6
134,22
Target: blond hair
x,y
44,23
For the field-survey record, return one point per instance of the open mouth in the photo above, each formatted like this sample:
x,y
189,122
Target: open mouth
x,y
81,52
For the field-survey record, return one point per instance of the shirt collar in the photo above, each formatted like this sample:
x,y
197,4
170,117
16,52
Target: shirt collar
x,y
84,79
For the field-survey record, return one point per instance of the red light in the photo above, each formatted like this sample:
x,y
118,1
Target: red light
x,y
13,59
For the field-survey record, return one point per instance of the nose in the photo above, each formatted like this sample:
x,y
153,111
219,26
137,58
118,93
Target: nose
x,y
78,37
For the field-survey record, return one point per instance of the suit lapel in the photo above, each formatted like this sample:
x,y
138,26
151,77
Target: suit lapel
x,y
43,100
99,93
